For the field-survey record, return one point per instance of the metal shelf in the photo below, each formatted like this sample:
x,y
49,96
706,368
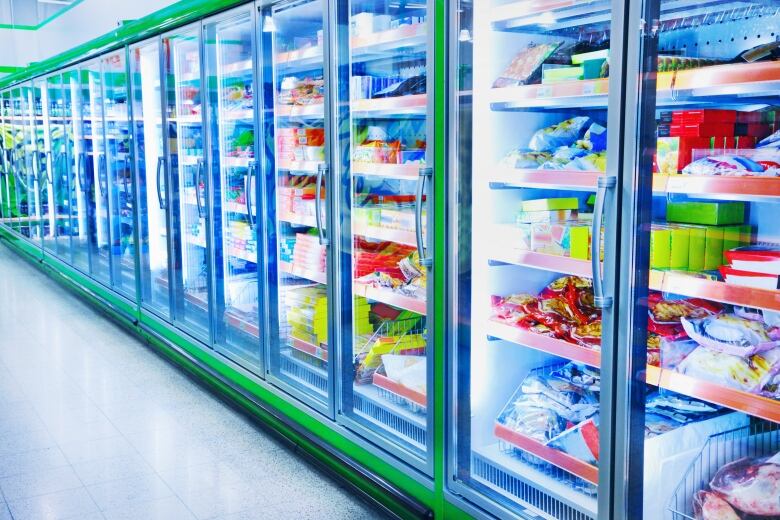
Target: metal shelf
x,y
546,179
309,349
309,167
290,268
236,162
240,322
387,171
400,106
545,262
557,347
239,66
387,384
686,285
390,297
313,111
391,417
296,219
398,236
555,457
752,404
748,188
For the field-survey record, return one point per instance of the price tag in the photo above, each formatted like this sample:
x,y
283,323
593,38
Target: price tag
x,y
542,92
589,88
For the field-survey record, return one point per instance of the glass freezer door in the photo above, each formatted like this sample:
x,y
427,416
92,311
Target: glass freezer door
x,y
5,163
119,173
703,264
531,102
190,184
57,238
384,185
32,207
78,184
20,161
229,48
295,191
95,168
45,227
151,176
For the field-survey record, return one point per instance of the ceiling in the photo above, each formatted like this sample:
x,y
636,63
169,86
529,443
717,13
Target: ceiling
x,y
31,13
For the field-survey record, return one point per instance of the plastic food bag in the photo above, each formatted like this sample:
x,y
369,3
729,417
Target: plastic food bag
x,y
565,133
581,441
730,165
748,374
526,66
526,160
730,334
408,371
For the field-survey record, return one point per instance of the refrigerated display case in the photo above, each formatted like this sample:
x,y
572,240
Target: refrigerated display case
x,y
529,84
229,70
151,176
56,239
45,224
118,171
385,177
31,202
190,185
77,171
705,197
18,161
296,197
93,168
6,183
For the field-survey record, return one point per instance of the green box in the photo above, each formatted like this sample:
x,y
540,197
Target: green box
x,y
580,241
696,243
660,247
555,74
732,237
550,204
746,237
591,69
679,248
706,213
713,248
578,59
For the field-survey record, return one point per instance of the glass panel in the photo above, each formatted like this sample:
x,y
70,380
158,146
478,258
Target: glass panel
x,y
151,176
190,183
78,177
57,240
6,147
19,161
292,45
386,364
531,90
229,55
44,227
95,168
32,201
708,250
120,178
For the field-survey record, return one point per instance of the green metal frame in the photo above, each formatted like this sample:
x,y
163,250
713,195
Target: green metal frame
x,y
257,397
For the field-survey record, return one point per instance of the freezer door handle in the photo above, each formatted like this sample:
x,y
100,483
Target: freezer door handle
x,y
160,198
198,177
252,166
321,171
102,175
49,166
425,173
81,173
61,161
600,300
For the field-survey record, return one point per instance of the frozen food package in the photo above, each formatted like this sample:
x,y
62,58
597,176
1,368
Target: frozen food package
x,y
730,334
581,441
750,485
525,159
408,371
594,162
580,375
533,417
595,139
588,334
562,134
526,66
664,310
748,374
730,165
674,351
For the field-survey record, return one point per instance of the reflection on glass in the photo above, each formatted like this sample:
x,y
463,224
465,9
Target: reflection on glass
x,y
57,238
77,170
45,224
292,43
386,383
28,181
151,176
119,173
190,183
229,59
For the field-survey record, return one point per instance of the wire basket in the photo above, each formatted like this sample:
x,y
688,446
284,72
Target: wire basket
x,y
755,440
389,338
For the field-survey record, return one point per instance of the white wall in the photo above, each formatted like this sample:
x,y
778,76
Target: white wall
x,y
87,20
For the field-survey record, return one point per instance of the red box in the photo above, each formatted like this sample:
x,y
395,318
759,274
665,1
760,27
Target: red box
x,y
702,130
750,117
675,153
724,143
746,142
707,116
752,130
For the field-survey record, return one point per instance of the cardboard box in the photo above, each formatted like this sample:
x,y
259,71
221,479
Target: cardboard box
x,y
675,153
679,247
553,74
696,244
698,116
550,204
660,247
701,130
758,130
580,241
713,248
561,215
706,213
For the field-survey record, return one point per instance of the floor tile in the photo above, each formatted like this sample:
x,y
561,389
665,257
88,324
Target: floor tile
x,y
168,508
39,483
106,470
118,494
87,451
63,505
31,461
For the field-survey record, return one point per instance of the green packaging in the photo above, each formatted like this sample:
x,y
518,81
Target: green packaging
x,y
679,247
555,74
551,204
713,248
660,247
732,237
696,243
578,59
580,241
591,69
706,213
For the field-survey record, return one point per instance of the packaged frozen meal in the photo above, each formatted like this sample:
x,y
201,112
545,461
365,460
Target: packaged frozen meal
x,y
731,334
565,133
730,165
526,66
749,374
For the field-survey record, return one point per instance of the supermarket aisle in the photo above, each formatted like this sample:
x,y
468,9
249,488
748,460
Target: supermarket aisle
x,y
94,425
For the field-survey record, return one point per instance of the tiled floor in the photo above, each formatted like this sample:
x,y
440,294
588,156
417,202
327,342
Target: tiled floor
x,y
94,425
